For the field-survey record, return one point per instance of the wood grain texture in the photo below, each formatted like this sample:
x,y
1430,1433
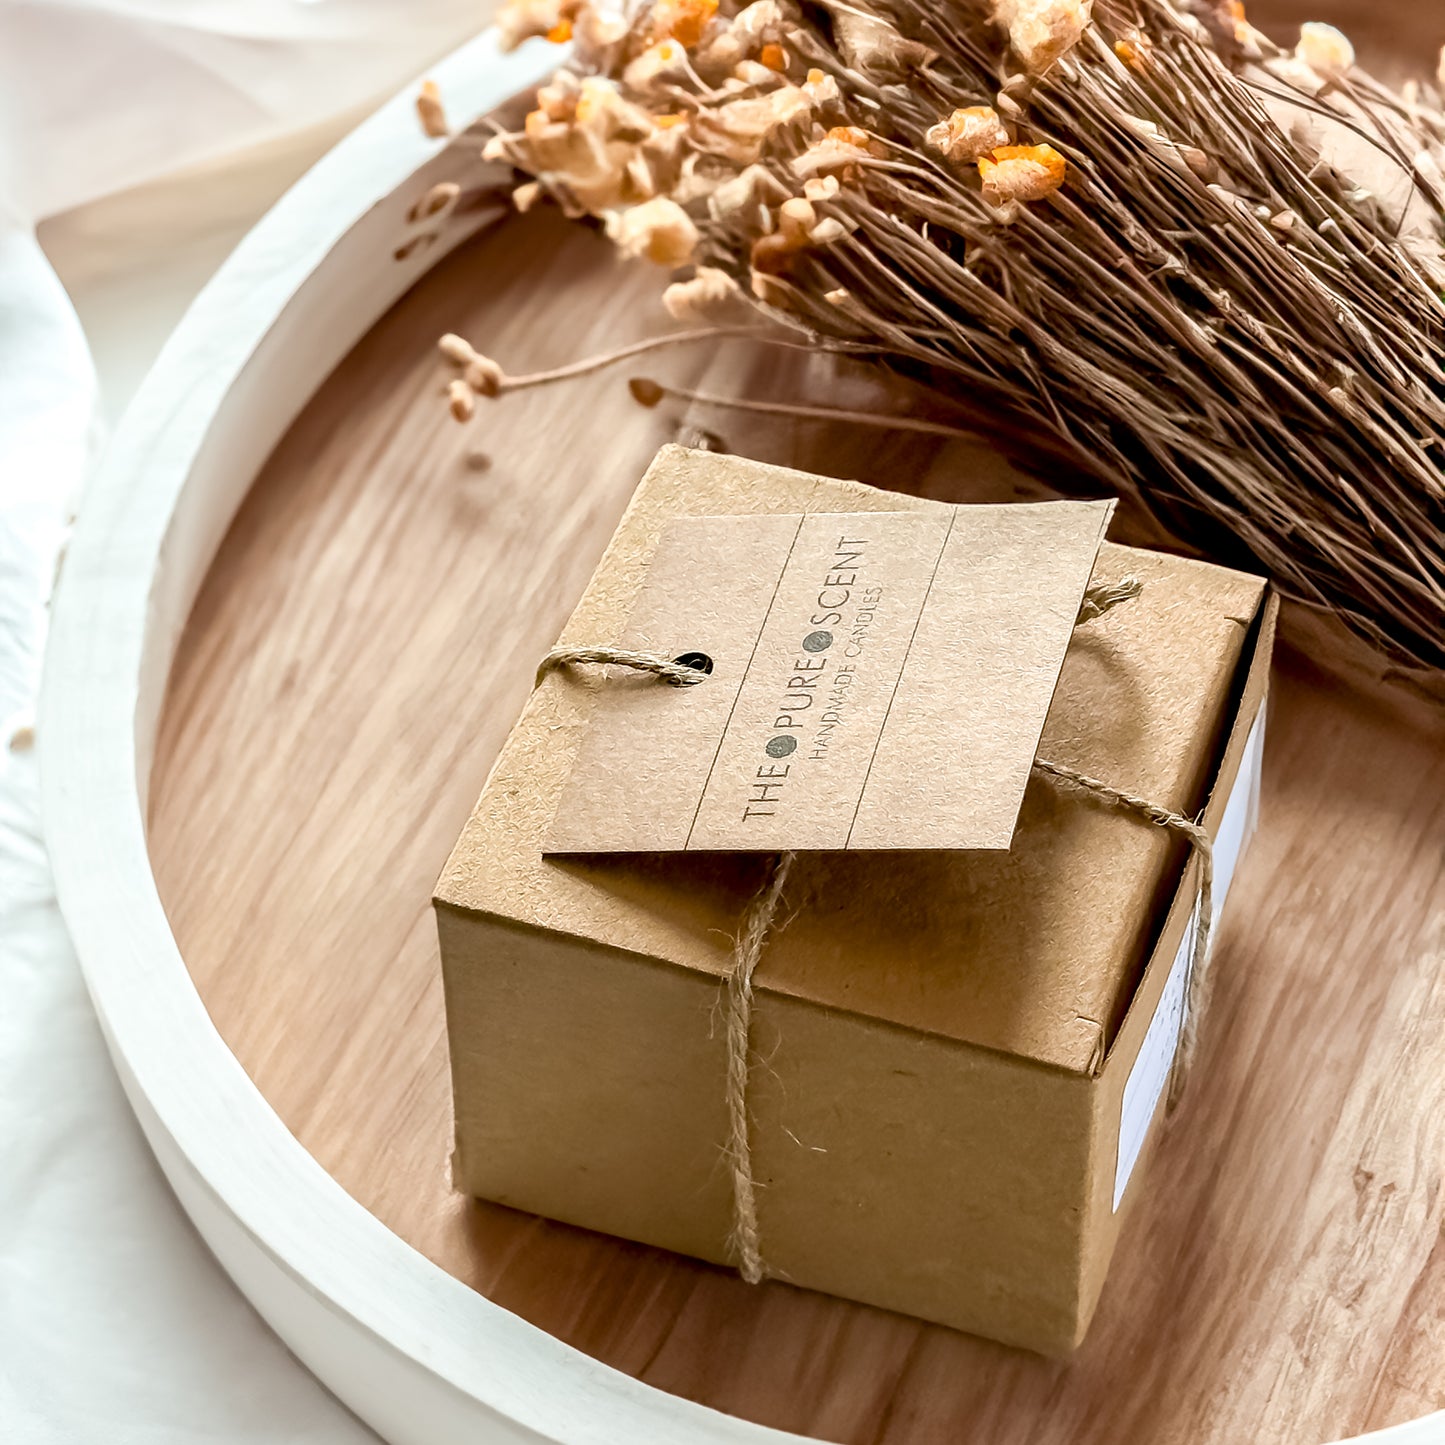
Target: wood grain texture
x,y
364,641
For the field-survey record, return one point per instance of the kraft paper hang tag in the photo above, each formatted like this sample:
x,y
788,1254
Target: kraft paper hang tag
x,y
879,681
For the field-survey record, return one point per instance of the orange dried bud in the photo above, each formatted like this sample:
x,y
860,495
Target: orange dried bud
x,y
821,90
796,217
835,153
457,349
657,63
683,20
773,254
1231,12
710,296
559,96
1325,50
850,135
519,20
658,229
1021,173
460,401
773,57
1040,31
967,134
429,111
666,122
481,375
645,391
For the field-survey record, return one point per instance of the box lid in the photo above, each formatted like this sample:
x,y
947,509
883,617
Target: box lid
x,y
1033,952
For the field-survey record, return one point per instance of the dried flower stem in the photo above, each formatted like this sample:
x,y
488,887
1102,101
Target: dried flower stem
x,y
484,377
603,360
649,393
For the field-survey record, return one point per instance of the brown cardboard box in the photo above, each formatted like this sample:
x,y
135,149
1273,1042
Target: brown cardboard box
x,y
960,1054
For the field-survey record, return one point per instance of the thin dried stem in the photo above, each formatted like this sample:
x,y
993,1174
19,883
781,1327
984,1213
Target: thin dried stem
x,y
648,392
486,377
604,359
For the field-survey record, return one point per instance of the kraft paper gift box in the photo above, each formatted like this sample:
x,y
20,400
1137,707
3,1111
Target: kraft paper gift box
x,y
962,1057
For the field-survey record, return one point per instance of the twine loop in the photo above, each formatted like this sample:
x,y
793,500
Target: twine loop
x,y
1105,596
676,670
762,913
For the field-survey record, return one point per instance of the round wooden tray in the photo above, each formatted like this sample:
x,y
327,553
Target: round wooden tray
x,y
300,669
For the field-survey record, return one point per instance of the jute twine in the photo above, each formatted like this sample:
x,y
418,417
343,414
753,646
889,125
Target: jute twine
x,y
762,914
667,668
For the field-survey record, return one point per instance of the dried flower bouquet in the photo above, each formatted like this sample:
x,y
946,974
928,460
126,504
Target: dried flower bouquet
x,y
1133,236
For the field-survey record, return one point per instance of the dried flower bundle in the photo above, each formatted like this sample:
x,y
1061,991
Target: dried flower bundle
x,y
1129,234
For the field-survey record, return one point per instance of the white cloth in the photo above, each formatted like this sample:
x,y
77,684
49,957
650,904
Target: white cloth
x,y
116,1326
99,95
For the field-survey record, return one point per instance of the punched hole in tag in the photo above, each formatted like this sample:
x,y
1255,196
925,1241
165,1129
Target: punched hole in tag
x,y
698,662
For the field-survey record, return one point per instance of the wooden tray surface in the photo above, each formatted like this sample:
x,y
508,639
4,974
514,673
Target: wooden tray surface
x,y
361,646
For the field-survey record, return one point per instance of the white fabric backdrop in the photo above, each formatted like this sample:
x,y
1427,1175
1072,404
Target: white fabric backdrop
x,y
141,137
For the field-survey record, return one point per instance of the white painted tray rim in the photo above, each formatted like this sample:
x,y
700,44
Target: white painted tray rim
x,y
421,1357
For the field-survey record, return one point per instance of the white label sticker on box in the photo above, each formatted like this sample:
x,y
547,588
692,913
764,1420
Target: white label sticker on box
x,y
1150,1074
